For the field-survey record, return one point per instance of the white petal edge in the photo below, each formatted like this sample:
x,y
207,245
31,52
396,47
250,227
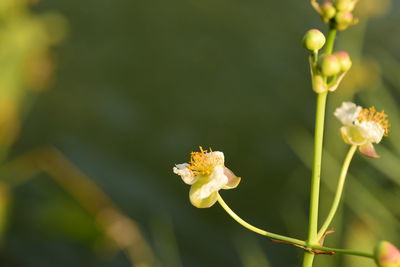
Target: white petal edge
x,y
217,155
372,131
185,173
347,113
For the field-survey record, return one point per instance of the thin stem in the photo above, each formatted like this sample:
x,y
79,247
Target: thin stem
x,y
314,55
256,229
339,191
308,259
290,240
316,173
315,179
344,251
330,41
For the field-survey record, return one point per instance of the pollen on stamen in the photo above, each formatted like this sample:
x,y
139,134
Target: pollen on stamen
x,y
203,163
370,114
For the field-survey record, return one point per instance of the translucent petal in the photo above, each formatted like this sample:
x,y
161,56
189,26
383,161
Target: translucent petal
x,y
199,202
372,131
217,155
186,174
233,180
353,135
369,151
212,183
347,112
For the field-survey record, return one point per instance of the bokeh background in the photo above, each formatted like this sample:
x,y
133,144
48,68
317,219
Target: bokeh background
x,y
99,100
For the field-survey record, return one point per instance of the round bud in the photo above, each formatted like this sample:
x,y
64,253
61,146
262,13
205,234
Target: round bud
x,y
345,5
329,65
343,20
313,40
328,11
386,255
344,60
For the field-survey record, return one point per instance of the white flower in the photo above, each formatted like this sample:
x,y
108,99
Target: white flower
x,y
362,127
207,175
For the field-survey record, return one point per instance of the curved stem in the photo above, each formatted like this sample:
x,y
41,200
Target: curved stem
x,y
256,229
289,240
339,192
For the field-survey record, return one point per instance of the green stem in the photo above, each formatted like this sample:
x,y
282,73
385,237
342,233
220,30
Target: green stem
x,y
330,41
256,229
289,240
344,251
316,173
314,55
315,179
338,193
308,259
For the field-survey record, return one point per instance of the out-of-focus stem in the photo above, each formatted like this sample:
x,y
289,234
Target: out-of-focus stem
x,y
119,228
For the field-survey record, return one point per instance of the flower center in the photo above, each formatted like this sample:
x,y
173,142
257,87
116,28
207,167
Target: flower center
x,y
370,114
203,163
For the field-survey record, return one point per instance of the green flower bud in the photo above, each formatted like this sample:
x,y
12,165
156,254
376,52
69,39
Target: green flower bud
x,y
329,65
343,20
328,11
386,255
313,40
345,5
344,60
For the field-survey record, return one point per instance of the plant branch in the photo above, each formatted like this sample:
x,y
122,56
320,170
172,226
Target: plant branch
x,y
311,249
316,173
338,193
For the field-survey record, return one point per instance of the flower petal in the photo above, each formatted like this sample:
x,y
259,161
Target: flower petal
x,y
369,151
371,130
204,191
347,112
198,202
186,174
212,183
233,180
217,156
353,135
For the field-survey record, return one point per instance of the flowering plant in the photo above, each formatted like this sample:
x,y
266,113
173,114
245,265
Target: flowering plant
x,y
362,128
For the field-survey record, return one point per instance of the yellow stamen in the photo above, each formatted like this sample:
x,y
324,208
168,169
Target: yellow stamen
x,y
370,114
201,163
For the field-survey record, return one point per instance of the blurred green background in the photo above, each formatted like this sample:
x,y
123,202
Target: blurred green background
x,y
132,87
